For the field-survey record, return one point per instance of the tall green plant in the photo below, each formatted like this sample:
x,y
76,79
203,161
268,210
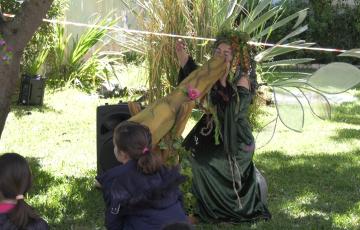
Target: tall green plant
x,y
71,66
174,17
205,19
325,20
34,65
59,49
39,60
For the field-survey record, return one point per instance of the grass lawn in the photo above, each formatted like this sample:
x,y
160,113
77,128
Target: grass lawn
x,y
313,177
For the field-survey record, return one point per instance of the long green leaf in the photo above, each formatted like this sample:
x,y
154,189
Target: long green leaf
x,y
39,61
300,19
230,18
269,53
254,13
279,50
281,23
279,78
88,40
286,62
231,8
260,21
294,33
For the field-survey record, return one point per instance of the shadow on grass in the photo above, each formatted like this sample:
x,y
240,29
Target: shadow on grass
x,y
346,134
22,110
66,202
307,191
348,112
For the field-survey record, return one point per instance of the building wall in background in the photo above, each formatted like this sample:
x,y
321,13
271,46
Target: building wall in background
x,y
85,11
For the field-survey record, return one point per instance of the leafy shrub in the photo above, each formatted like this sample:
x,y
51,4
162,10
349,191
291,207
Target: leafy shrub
x,y
70,65
330,25
132,57
36,51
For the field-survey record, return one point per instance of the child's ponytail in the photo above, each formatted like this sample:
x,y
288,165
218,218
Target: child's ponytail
x,y
135,140
22,214
149,162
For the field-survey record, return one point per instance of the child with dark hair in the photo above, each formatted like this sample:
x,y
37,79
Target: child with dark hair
x,y
15,182
141,193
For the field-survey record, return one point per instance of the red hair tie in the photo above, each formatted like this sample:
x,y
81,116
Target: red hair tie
x,y
145,150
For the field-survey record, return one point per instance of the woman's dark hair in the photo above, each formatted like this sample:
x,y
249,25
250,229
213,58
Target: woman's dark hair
x,y
16,179
135,140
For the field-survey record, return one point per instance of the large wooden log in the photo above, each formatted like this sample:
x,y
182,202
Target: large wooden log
x,y
171,111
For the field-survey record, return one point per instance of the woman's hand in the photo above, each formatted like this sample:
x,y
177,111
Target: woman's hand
x,y
244,82
181,53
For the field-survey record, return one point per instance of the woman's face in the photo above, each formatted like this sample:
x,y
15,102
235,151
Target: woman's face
x,y
224,50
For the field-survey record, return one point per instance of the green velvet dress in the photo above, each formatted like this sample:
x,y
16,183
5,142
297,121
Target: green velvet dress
x,y
226,183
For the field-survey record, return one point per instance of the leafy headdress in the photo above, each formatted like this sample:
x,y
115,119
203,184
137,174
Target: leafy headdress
x,y
243,64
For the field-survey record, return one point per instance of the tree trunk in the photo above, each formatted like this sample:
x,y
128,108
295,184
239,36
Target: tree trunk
x,y
16,34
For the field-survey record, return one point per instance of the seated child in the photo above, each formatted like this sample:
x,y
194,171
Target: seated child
x,y
15,181
141,193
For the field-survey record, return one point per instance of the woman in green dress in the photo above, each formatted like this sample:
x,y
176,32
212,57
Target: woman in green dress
x,y
226,183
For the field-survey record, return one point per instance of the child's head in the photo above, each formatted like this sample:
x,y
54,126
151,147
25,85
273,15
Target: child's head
x,y
133,141
15,181
15,175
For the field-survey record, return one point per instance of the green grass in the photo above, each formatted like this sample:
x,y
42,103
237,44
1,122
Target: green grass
x,y
59,140
313,177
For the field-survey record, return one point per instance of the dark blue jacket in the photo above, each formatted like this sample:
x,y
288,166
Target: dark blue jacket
x,y
6,224
138,201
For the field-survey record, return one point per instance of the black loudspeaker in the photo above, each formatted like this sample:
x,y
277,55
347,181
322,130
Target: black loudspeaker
x,y
107,118
32,90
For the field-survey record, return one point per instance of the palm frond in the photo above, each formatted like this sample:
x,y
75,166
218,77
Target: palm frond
x,y
286,62
254,13
282,22
270,53
260,21
88,40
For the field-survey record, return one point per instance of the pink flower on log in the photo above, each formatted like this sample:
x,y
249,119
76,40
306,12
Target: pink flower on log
x,y
193,93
